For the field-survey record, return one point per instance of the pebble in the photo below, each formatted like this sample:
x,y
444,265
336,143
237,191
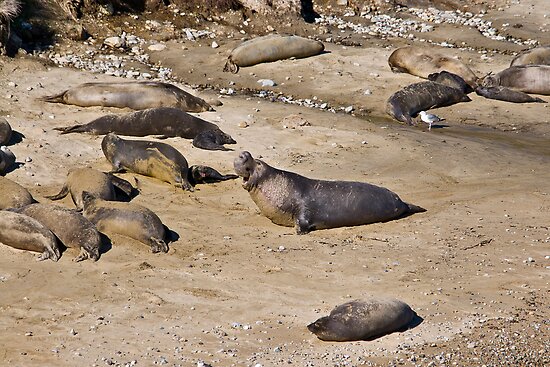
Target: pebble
x,y
115,42
156,47
267,83
215,44
12,84
28,159
243,124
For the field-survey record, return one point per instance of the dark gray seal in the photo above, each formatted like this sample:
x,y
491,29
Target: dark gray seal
x,y
148,158
5,131
451,80
204,174
363,320
535,56
135,95
528,78
506,94
289,199
163,121
13,195
7,159
25,233
406,103
128,219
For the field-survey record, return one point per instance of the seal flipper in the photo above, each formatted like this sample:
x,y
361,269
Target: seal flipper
x,y
56,98
123,185
158,245
71,129
64,192
414,209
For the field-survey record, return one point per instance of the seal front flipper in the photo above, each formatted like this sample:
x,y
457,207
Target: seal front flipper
x,y
158,245
71,129
123,185
303,225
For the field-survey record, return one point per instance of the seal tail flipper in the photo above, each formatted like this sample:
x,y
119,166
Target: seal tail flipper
x,y
122,185
70,129
56,98
231,66
415,208
64,192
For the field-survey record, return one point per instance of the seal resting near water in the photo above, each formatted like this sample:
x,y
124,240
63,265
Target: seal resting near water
x,y
148,158
163,121
25,233
506,94
13,195
363,320
527,78
534,56
289,199
5,131
128,219
7,159
135,95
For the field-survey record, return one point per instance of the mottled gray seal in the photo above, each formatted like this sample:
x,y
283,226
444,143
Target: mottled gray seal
x,y
289,199
13,195
363,320
451,80
100,184
205,174
5,131
70,227
135,95
148,158
405,104
7,159
128,219
528,78
25,233
535,56
506,94
271,48
163,121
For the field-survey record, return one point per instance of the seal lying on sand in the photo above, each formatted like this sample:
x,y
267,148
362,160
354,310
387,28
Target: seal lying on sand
x,y
289,199
451,80
13,195
127,219
148,158
7,159
134,95
164,121
528,78
100,184
72,229
506,94
534,56
5,131
405,104
363,320
271,48
205,174
25,233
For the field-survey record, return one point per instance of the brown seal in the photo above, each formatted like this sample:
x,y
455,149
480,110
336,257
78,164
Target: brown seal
x,y
451,80
13,195
5,131
534,56
127,219
289,199
70,227
164,121
148,158
25,233
7,159
102,185
134,95
506,94
528,78
363,320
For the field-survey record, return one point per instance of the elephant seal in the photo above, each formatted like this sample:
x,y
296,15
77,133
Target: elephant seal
x,y
25,233
7,159
102,185
164,121
13,195
363,320
528,78
422,62
5,131
451,80
70,227
127,219
148,158
289,199
135,95
534,56
405,104
506,94
205,174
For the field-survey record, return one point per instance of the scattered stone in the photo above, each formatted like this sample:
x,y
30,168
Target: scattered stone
x,y
156,47
267,83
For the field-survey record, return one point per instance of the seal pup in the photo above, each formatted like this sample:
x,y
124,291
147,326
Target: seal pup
x,y
527,78
451,80
7,159
535,56
506,94
102,185
13,195
128,219
204,174
164,121
70,227
5,131
363,320
135,95
289,199
148,158
25,233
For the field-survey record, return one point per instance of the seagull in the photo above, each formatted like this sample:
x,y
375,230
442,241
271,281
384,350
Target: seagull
x,y
429,118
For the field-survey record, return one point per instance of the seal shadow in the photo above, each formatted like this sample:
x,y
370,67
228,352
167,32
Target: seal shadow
x,y
440,126
416,320
171,236
16,137
106,244
12,168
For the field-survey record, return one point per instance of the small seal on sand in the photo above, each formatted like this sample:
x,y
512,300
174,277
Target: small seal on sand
x,y
528,78
506,94
7,159
289,199
534,56
5,131
13,195
205,174
363,320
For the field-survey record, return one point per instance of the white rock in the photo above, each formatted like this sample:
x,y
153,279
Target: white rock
x,y
215,44
267,83
114,42
156,47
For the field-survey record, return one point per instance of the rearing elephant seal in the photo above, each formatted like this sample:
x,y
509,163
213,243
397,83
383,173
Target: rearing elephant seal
x,y
289,199
134,95
13,195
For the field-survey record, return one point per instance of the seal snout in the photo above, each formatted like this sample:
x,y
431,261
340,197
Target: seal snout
x,y
243,165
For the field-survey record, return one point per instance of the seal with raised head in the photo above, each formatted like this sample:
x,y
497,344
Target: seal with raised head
x,y
363,320
164,121
527,78
506,94
135,95
289,199
102,185
25,233
148,158
5,131
204,174
406,103
127,219
70,227
7,159
451,80
535,56
13,195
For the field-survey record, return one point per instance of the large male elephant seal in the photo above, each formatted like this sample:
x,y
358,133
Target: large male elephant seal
x,y
405,104
506,94
135,95
163,121
528,78
363,320
422,62
271,48
7,159
102,185
289,199
25,233
128,219
534,56
148,158
70,227
13,195
5,131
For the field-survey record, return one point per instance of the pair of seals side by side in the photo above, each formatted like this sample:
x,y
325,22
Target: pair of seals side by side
x,y
526,78
289,199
